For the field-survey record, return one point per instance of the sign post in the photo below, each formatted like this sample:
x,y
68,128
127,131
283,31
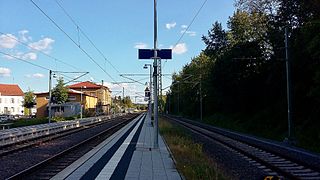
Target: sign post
x,y
155,54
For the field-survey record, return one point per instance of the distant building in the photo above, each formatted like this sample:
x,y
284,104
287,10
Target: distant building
x,y
11,99
103,93
71,108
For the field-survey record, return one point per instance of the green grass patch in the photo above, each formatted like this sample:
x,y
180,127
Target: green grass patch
x,y
191,160
28,122
35,121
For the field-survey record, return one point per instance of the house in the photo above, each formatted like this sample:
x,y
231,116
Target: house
x,y
103,93
11,99
71,108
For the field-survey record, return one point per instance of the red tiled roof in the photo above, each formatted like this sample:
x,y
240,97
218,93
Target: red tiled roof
x,y
70,91
10,90
86,84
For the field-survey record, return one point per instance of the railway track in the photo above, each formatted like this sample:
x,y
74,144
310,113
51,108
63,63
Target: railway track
x,y
53,164
20,146
273,163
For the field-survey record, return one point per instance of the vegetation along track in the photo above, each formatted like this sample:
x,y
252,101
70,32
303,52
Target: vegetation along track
x,y
281,165
68,152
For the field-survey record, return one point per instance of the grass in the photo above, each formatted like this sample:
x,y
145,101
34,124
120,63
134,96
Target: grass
x,y
191,160
35,121
28,122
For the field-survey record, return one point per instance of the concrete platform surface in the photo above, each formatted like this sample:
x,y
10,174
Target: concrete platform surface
x,y
127,154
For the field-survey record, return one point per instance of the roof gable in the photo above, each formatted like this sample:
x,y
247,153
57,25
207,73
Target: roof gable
x,y
86,84
10,90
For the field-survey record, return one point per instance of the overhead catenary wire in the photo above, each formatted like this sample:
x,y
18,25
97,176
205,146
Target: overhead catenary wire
x,y
79,29
74,42
20,59
193,19
86,36
189,25
28,62
46,54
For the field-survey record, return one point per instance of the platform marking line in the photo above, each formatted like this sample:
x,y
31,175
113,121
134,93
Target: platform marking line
x,y
109,168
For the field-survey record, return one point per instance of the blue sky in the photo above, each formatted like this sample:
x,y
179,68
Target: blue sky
x,y
117,28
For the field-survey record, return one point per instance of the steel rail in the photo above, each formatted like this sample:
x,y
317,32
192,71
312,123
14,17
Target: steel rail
x,y
279,163
33,169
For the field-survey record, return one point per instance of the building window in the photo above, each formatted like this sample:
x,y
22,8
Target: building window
x,y
5,110
12,100
0,100
12,109
71,98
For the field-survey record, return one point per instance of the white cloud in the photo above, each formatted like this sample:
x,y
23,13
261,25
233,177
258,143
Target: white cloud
x,y
184,26
24,56
190,33
43,44
141,45
7,41
30,55
7,57
23,36
179,48
37,75
171,25
91,79
4,72
116,87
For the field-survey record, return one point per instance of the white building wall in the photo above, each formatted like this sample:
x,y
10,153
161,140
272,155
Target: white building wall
x,y
11,105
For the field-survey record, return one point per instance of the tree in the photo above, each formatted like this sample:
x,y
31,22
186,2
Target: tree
x,y
268,7
216,40
29,100
60,93
127,102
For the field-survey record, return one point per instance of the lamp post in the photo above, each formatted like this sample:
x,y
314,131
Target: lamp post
x,y
50,94
81,101
150,87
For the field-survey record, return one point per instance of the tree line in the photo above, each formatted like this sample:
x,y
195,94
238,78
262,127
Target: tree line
x,y
241,73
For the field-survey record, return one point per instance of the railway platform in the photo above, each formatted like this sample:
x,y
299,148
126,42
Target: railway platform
x,y
127,154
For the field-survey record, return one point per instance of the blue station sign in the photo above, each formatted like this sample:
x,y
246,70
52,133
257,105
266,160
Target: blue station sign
x,y
149,53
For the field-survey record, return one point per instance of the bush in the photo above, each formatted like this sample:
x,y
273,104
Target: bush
x,y
57,119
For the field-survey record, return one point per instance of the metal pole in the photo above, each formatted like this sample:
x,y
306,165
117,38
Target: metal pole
x,y
150,98
179,98
123,98
289,87
81,104
155,79
200,99
50,74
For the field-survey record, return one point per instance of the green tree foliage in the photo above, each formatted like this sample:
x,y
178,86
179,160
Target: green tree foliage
x,y
127,102
241,71
60,92
216,41
29,100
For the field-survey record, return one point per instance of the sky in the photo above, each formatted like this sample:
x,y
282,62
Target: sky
x,y
116,28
